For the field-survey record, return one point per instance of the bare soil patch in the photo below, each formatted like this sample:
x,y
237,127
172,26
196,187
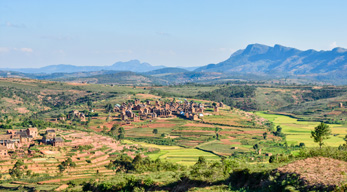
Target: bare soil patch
x,y
22,110
193,131
148,96
198,125
228,142
318,171
161,125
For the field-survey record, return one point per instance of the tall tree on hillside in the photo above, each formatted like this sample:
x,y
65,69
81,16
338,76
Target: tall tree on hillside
x,y
321,132
121,133
90,104
109,107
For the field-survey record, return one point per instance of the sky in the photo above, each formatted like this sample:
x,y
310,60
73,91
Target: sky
x,y
184,33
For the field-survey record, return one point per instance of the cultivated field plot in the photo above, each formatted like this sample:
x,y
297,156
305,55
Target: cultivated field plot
x,y
176,154
300,131
223,133
89,151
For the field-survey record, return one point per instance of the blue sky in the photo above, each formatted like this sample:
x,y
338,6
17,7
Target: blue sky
x,y
173,33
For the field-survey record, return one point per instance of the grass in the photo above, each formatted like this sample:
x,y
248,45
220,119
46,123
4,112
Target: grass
x,y
176,154
300,131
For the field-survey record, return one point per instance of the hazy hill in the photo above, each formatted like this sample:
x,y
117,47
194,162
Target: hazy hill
x,y
166,70
132,65
280,61
124,77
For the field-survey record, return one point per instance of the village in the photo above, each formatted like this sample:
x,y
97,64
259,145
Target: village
x,y
154,109
22,139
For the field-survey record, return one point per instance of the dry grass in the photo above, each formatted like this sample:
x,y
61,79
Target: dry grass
x,y
318,171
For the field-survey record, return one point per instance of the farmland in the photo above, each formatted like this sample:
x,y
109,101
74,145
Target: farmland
x,y
300,131
104,146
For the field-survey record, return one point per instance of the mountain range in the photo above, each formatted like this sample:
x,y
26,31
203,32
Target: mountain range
x,y
132,65
266,60
255,62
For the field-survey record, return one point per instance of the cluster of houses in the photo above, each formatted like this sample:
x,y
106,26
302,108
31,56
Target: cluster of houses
x,y
22,138
151,110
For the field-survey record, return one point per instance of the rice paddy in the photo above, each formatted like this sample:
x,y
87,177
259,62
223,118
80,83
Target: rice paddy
x,y
176,154
300,131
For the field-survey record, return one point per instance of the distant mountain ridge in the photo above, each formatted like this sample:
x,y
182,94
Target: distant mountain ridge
x,y
256,62
132,65
281,60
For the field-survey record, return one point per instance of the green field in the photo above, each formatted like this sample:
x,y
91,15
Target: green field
x,y
177,154
300,131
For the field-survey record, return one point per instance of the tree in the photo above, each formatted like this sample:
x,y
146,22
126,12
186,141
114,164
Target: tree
x,y
120,136
279,131
321,132
61,168
18,169
201,160
114,130
121,133
109,107
121,130
90,104
155,131
67,163
265,135
256,147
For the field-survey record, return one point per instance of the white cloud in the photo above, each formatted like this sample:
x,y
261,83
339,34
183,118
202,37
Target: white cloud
x,y
26,50
9,24
333,45
57,38
4,49
163,34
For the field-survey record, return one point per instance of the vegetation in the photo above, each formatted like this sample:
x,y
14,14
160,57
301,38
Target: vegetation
x,y
234,149
321,132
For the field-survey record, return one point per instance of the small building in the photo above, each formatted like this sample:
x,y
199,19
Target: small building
x,y
51,132
11,131
48,138
58,141
195,117
11,145
341,105
216,109
3,151
32,132
136,118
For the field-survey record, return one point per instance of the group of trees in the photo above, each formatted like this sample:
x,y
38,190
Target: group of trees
x,y
234,96
66,164
117,131
139,164
18,170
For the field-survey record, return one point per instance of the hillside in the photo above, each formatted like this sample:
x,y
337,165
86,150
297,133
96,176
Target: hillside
x,y
125,77
201,145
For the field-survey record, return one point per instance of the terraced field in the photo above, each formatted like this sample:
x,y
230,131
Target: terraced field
x,y
89,163
176,154
300,131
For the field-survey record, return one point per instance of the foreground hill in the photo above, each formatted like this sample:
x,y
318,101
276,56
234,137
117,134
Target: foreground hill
x,y
283,61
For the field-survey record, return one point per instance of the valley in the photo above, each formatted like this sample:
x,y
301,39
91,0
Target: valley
x,y
173,130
